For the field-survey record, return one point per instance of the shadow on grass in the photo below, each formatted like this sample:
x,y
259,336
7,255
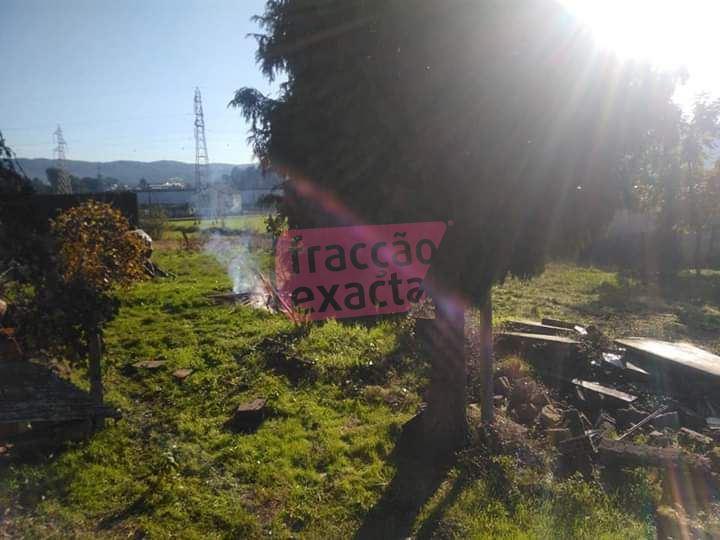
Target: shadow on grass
x,y
138,507
415,482
693,299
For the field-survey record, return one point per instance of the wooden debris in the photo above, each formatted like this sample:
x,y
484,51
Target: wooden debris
x,y
693,436
624,454
576,421
550,416
642,422
629,416
535,327
605,391
539,339
580,445
680,355
578,328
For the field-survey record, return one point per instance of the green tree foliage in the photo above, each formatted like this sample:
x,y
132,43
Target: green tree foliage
x,y
676,188
500,115
12,177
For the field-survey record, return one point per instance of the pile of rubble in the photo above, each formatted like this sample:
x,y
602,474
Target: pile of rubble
x,y
624,402
637,384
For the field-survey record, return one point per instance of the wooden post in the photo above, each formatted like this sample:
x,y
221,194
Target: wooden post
x,y
486,360
95,370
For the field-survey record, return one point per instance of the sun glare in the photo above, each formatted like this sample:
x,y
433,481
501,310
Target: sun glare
x,y
670,34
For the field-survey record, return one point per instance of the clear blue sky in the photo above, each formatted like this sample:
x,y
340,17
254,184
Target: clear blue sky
x,y
119,76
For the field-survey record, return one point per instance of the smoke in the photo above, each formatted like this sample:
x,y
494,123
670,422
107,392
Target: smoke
x,y
233,252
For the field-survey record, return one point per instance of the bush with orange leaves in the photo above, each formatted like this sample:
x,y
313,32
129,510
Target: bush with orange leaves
x,y
95,248
93,253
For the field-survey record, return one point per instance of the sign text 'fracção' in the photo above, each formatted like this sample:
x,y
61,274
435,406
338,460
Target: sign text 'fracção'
x,y
355,271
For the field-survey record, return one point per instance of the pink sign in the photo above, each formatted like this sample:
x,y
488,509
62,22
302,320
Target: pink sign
x,y
355,271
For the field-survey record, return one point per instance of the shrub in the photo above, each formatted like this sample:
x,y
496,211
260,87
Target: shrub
x,y
154,221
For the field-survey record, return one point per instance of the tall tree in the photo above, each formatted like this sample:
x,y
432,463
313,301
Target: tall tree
x,y
699,136
500,115
674,186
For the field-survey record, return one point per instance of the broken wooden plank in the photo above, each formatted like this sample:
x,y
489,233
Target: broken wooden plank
x,y
605,390
541,339
642,422
535,327
678,355
578,328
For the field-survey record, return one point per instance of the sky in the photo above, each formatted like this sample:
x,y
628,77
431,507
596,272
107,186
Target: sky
x,y
119,75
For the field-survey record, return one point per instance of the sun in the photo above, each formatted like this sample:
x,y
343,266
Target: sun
x,y
670,34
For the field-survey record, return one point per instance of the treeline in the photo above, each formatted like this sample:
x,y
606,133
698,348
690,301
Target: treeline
x,y
56,177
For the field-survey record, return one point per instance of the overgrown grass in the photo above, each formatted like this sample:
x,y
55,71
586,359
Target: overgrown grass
x,y
337,397
171,467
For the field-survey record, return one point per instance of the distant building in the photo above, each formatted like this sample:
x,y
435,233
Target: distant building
x,y
170,195
214,202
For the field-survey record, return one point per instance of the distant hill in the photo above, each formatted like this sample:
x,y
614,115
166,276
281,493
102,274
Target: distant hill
x,y
128,172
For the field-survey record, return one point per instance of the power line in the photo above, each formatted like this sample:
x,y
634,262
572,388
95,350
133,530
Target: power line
x,y
64,184
201,153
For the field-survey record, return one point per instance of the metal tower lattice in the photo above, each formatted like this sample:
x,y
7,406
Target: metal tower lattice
x,y
64,184
202,166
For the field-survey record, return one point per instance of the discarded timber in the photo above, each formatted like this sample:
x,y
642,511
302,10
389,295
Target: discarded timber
x,y
625,454
642,422
540,339
535,327
605,391
578,328
680,357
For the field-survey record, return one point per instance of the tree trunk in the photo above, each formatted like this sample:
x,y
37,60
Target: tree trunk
x,y
486,360
444,421
95,370
711,245
698,250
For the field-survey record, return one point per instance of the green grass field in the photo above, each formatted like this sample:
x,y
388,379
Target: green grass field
x,y
338,395
251,223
